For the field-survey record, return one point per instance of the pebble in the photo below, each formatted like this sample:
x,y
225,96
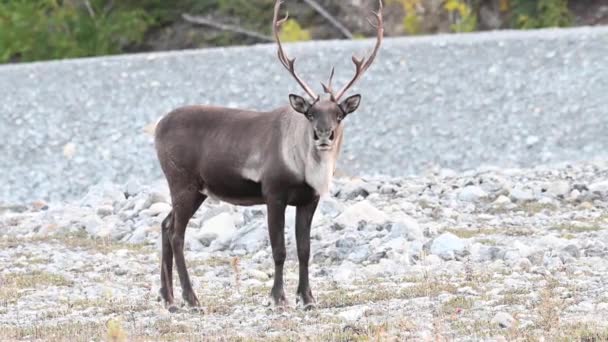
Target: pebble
x,y
503,320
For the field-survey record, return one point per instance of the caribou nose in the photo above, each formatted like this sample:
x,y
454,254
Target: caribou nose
x,y
325,135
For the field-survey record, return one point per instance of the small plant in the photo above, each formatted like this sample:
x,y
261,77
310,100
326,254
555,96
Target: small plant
x,y
465,18
47,29
293,32
526,14
411,21
115,332
235,264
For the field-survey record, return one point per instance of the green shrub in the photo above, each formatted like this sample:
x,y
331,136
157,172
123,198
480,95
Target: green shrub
x,y
531,14
411,20
49,29
291,31
467,20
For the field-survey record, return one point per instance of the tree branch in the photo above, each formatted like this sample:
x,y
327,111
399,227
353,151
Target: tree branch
x,y
315,5
207,22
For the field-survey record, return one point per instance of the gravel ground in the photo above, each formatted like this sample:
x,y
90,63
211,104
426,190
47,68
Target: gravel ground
x,y
490,254
511,99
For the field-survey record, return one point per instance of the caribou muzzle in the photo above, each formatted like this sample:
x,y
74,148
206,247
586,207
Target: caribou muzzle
x,y
324,139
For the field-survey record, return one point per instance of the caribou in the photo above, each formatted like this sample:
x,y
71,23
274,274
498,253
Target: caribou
x,y
284,157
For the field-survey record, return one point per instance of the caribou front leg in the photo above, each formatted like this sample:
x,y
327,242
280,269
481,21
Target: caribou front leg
x,y
304,216
276,229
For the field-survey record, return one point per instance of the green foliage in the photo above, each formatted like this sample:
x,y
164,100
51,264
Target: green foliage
x,y
255,14
49,29
531,14
467,21
411,21
291,31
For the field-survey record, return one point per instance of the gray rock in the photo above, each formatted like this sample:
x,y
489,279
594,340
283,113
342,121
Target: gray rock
x,y
407,227
251,238
356,188
330,207
572,250
105,210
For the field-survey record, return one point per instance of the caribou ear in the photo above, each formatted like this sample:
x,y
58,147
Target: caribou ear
x,y
350,104
299,104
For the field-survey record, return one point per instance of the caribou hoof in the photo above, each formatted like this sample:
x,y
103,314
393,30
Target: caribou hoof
x,y
279,297
306,301
191,300
173,308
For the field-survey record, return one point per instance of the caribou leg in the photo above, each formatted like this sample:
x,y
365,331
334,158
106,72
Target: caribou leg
x,y
276,229
185,204
166,264
304,216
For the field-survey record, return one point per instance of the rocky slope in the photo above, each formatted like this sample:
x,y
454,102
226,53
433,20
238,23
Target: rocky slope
x,y
491,254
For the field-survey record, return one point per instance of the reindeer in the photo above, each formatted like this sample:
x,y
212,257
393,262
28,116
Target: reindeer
x,y
283,157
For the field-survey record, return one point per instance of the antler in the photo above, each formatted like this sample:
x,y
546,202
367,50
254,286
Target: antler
x,y
361,65
327,88
288,63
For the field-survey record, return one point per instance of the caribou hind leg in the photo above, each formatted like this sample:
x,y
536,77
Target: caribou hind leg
x,y
304,216
166,265
186,202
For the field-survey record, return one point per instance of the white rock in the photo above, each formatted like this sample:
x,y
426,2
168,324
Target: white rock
x,y
361,211
353,314
405,226
447,245
502,200
220,228
471,193
93,225
398,245
522,193
431,260
139,235
159,208
532,140
257,274
103,193
558,188
504,320
344,273
600,187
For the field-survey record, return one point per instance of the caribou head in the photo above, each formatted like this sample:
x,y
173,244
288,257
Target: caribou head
x,y
326,115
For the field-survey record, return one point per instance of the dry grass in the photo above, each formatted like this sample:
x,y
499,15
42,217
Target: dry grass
x,y
73,331
576,228
341,297
77,241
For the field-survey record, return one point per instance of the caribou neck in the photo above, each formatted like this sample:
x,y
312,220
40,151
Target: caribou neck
x,y
315,167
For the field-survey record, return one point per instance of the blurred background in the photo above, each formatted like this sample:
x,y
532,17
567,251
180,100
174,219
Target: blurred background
x,y
528,88
35,30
